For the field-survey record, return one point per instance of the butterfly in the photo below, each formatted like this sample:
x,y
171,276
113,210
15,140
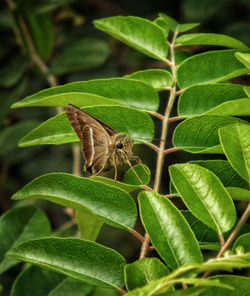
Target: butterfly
x,y
102,146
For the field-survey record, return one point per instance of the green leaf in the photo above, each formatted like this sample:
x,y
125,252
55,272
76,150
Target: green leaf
x,y
199,99
131,179
114,206
72,287
157,78
144,271
194,291
247,90
163,25
13,71
232,108
174,26
121,185
85,53
204,195
200,134
168,230
138,33
224,171
209,67
83,260
244,58
32,277
162,285
177,276
10,136
207,237
240,284
88,224
239,193
40,27
96,92
235,141
242,241
18,225
210,39
57,130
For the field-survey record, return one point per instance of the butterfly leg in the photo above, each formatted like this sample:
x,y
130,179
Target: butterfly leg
x,y
134,171
138,160
115,165
104,165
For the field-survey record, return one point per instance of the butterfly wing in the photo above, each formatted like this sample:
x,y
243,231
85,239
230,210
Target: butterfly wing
x,y
94,135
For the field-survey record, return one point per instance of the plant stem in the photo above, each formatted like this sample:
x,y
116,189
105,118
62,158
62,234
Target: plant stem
x,y
136,234
160,152
233,235
236,230
172,95
170,150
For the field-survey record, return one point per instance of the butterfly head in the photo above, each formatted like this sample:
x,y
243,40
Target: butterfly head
x,y
124,147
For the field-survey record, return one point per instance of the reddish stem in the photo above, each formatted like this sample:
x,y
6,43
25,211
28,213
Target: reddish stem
x,y
154,147
136,234
170,195
170,150
158,115
221,237
175,118
146,187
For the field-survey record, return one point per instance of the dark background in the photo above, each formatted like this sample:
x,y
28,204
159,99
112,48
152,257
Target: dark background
x,y
70,22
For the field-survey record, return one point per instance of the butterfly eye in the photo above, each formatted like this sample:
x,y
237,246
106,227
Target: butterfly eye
x,y
119,145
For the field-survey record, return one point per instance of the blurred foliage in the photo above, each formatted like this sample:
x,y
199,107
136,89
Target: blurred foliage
x,y
64,37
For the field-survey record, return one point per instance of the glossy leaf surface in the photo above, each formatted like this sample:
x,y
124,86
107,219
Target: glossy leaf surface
x,y
244,58
235,141
115,206
157,78
168,230
204,195
96,92
210,39
209,67
89,262
139,33
200,134
199,99
238,193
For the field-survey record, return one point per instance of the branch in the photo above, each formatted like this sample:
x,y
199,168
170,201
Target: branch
x,y
136,234
170,150
158,115
171,119
160,152
154,147
232,236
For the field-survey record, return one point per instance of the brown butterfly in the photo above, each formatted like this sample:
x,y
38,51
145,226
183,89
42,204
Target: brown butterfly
x,y
102,146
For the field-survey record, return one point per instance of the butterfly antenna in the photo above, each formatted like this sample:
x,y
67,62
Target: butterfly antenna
x,y
138,160
155,139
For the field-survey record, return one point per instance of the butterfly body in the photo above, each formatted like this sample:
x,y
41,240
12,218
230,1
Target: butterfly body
x,y
102,146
